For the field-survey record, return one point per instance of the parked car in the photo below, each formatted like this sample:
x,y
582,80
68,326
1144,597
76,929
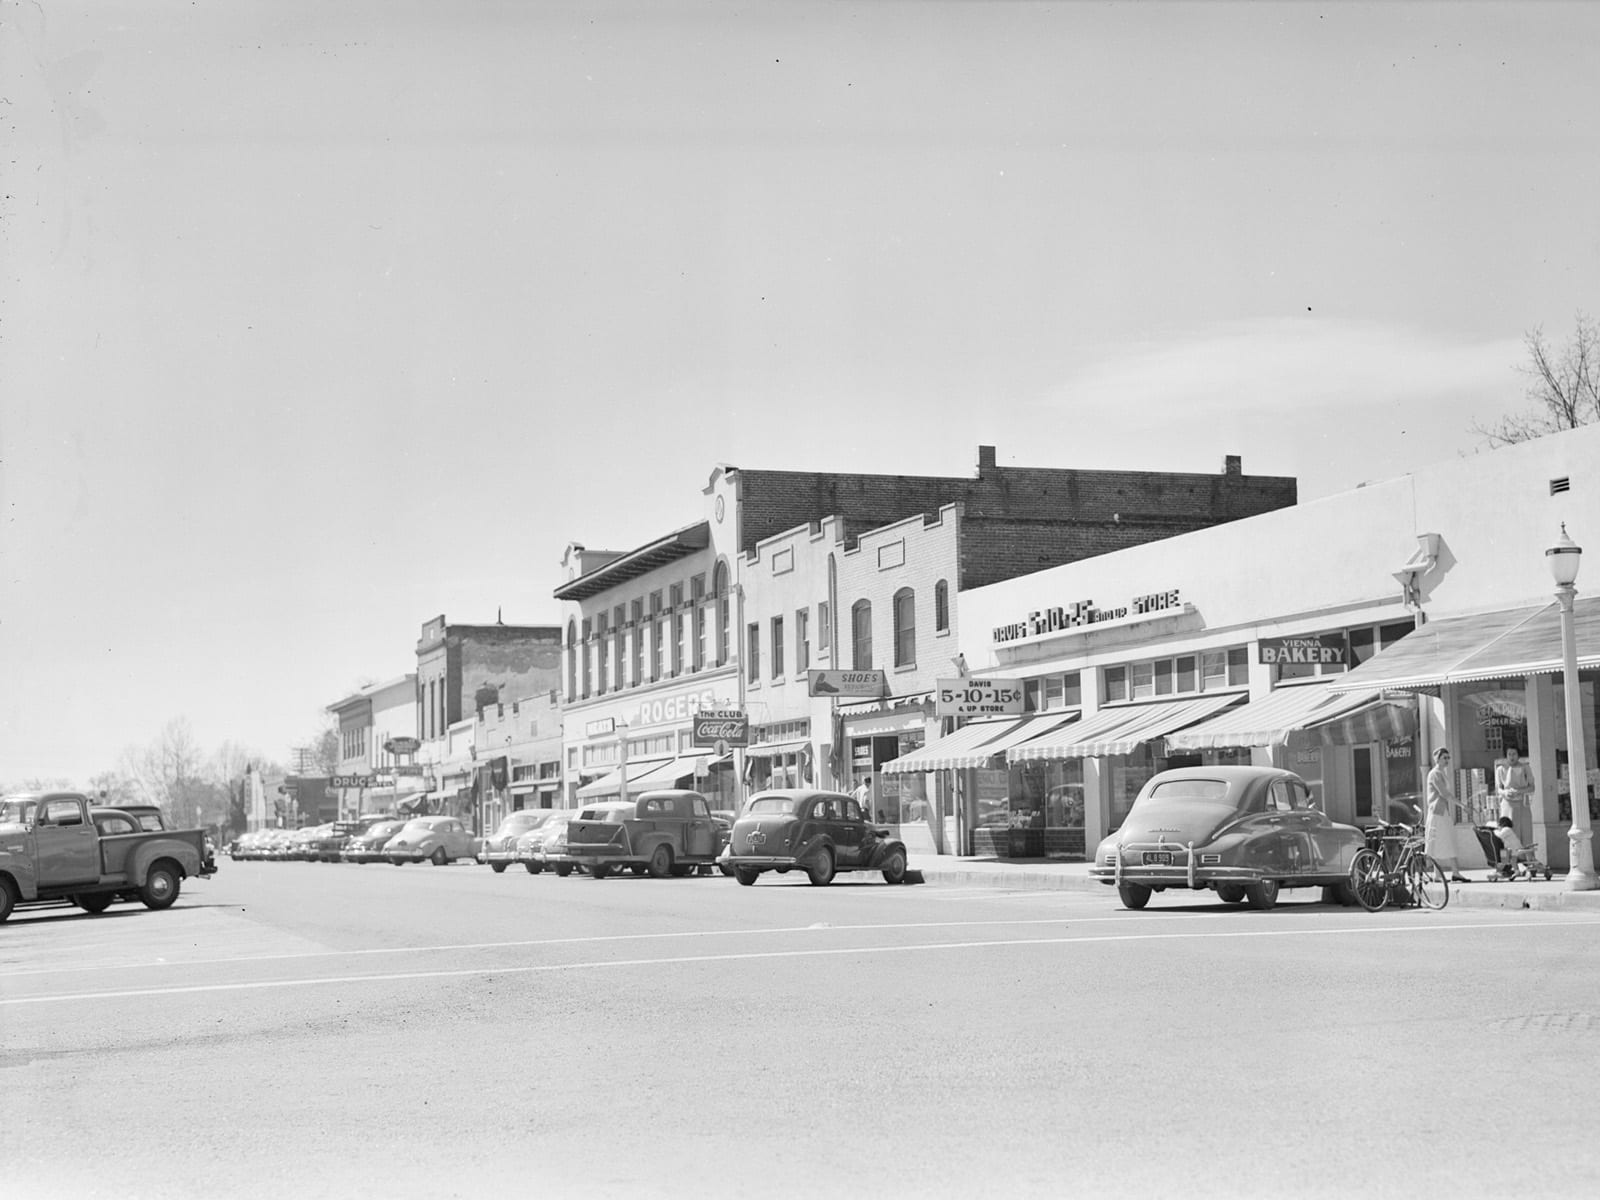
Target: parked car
x,y
367,846
301,842
546,847
662,832
1244,832
820,832
500,847
329,846
439,840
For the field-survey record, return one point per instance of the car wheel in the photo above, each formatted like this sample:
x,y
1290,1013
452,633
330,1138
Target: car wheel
x,y
638,868
820,869
438,858
660,862
1134,895
498,868
600,870
725,868
563,870
8,897
534,868
160,886
894,867
1368,881
1262,896
94,902
746,875
1230,893
1340,893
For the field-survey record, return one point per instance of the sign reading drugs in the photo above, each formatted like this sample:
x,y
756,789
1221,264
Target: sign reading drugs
x,y
1311,650
721,728
847,683
974,697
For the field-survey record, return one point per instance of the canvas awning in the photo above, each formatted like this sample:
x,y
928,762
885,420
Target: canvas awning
x,y
955,750
667,774
1121,730
1270,720
1378,720
773,749
610,784
1510,644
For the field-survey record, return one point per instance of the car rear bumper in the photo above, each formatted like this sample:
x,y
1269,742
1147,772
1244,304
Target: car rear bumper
x,y
498,856
763,861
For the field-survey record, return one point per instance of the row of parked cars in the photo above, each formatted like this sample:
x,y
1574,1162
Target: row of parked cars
x,y
662,833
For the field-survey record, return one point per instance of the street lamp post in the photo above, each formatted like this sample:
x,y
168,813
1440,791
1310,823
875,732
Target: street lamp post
x,y
1563,558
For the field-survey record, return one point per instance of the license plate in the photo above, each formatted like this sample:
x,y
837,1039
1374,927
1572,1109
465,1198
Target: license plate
x,y
1158,858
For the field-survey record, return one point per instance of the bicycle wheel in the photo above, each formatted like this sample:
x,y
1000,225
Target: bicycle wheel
x,y
1426,882
1367,880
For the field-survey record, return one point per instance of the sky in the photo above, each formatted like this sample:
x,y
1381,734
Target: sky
x,y
319,320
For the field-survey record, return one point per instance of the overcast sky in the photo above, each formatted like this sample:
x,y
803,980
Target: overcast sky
x,y
323,318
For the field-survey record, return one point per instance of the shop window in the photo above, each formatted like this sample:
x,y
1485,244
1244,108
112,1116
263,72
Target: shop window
x,y
941,607
861,635
753,652
802,639
777,647
905,628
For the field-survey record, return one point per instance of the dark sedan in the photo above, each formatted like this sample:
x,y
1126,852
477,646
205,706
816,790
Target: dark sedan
x,y
1245,832
820,833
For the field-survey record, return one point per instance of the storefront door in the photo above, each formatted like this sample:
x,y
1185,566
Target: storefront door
x,y
1366,786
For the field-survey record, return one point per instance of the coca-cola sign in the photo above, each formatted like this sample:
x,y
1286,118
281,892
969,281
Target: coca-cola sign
x,y
726,725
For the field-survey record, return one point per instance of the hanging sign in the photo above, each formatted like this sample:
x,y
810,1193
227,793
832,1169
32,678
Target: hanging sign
x,y
847,683
973,697
721,729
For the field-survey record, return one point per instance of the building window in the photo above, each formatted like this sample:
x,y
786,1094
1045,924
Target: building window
x,y
697,588
824,628
655,603
861,635
941,607
1116,683
638,655
601,647
699,658
777,647
753,652
678,625
588,670
617,614
675,595
658,646
905,628
636,611
619,657
572,659
719,585
802,643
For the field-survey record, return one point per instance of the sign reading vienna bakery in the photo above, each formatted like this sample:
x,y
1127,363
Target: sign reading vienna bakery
x,y
1311,650
728,725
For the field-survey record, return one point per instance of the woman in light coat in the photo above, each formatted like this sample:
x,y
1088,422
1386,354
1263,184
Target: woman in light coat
x,y
1439,841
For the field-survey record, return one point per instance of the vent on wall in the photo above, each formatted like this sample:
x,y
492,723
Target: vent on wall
x,y
1557,486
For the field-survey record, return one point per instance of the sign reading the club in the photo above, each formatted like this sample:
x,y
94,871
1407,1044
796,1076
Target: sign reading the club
x,y
973,697
730,727
1312,650
847,683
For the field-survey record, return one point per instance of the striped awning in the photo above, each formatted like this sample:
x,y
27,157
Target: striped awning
x,y
611,784
1121,730
1270,720
773,749
667,774
1511,644
1378,720
955,750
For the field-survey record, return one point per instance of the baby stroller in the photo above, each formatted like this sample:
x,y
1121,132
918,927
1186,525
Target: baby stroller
x,y
1517,864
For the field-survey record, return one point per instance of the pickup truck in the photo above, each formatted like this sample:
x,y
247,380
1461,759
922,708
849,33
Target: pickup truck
x,y
57,846
667,832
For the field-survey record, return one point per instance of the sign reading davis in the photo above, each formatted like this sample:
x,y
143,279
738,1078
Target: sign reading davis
x,y
730,726
1310,650
973,697
847,683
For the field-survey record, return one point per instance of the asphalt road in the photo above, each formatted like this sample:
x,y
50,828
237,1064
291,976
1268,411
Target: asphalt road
x,y
320,1030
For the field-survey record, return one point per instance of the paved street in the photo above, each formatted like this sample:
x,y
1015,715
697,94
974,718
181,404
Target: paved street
x,y
322,1030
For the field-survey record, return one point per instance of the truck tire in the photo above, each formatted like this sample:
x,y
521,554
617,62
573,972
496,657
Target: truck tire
x,y
8,897
600,870
660,862
160,885
94,902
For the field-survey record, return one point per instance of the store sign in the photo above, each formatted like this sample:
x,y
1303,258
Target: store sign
x,y
716,727
601,727
847,683
973,697
1315,650
1084,613
359,781
676,709
402,745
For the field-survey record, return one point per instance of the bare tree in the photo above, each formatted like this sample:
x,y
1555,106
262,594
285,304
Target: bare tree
x,y
1563,388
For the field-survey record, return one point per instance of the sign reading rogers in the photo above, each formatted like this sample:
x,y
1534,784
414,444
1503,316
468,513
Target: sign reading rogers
x,y
726,725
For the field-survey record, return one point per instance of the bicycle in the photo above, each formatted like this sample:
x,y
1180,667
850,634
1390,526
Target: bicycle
x,y
1392,869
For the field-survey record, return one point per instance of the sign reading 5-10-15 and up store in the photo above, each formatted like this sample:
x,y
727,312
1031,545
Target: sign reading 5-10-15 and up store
x,y
973,697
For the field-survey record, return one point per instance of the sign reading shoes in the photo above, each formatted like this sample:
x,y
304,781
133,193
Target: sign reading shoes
x,y
847,683
973,697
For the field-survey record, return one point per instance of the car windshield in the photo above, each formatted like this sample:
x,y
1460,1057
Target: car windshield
x,y
773,804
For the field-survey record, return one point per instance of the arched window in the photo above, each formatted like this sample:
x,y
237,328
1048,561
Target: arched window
x,y
861,635
905,628
941,607
719,586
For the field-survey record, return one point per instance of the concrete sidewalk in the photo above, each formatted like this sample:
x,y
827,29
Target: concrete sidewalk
x,y
1042,874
